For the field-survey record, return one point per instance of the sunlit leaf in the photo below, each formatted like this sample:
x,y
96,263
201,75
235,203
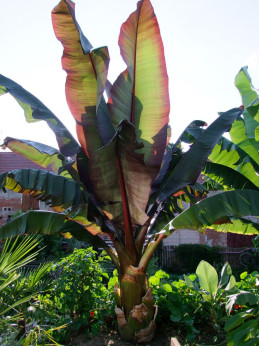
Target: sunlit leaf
x,y
208,277
140,94
228,177
49,187
86,78
46,222
230,204
41,154
35,110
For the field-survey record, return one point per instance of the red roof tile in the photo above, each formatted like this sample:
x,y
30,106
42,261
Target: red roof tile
x,y
10,161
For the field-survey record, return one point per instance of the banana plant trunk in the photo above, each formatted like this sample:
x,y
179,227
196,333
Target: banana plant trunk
x,y
135,309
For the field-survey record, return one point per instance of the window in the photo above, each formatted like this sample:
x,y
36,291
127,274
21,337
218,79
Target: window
x,y
6,209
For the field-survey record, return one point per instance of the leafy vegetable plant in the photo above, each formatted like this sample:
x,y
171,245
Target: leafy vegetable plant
x,y
211,289
243,326
80,291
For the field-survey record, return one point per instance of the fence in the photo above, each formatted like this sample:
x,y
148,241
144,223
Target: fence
x,y
167,257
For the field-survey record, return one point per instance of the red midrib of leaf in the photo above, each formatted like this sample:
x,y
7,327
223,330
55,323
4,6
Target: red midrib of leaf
x,y
92,62
134,72
125,205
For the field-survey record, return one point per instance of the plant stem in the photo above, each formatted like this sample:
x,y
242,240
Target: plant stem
x,y
141,236
150,251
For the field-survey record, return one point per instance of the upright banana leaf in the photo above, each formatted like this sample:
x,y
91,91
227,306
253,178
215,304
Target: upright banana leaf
x,y
120,177
86,78
35,110
240,136
242,153
243,131
140,94
244,84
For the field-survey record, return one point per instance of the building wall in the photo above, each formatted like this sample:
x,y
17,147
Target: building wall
x,y
183,236
12,202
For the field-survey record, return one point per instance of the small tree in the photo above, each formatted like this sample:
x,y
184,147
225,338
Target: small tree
x,y
120,182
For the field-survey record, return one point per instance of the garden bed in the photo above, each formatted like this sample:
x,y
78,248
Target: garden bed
x,y
163,336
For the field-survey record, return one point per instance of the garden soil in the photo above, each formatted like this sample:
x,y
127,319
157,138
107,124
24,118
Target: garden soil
x,y
112,337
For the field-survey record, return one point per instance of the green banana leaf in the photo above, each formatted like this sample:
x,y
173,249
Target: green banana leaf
x,y
35,110
192,132
243,131
176,204
41,154
241,226
228,154
219,208
54,190
174,151
228,177
46,222
189,167
243,82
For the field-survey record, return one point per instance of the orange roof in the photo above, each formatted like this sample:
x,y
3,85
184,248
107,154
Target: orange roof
x,y
10,161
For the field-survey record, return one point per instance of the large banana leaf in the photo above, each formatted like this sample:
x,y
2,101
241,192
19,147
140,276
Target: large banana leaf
x,y
244,84
140,94
228,154
240,135
41,154
174,152
35,110
44,156
46,222
86,79
120,177
55,190
219,210
243,131
189,167
227,177
240,226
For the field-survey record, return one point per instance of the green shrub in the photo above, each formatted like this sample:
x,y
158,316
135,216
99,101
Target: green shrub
x,y
190,255
80,289
243,326
175,304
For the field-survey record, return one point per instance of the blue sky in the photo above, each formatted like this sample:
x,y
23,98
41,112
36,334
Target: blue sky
x,y
206,43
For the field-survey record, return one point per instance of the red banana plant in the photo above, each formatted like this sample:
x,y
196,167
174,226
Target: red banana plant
x,y
121,181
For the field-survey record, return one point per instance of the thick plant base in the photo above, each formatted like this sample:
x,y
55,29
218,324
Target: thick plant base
x,y
136,312
127,330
